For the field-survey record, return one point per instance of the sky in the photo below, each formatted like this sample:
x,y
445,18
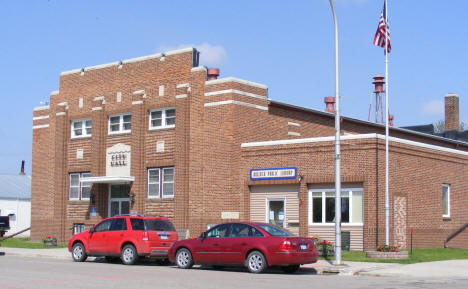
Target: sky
x,y
287,45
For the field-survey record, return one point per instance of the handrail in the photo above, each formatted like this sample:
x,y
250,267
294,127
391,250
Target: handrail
x,y
17,233
455,233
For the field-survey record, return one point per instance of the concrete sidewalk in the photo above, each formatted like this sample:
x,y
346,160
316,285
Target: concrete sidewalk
x,y
56,253
451,268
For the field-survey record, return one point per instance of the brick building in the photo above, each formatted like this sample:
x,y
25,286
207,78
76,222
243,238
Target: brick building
x,y
153,135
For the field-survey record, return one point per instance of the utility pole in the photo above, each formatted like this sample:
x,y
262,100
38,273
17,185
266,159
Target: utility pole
x,y
337,149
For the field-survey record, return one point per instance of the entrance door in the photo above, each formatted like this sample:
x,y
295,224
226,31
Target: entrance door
x,y
119,201
276,213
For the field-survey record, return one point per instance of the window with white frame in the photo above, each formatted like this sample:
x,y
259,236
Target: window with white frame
x,y
162,118
446,201
79,190
161,182
78,228
81,128
322,206
120,123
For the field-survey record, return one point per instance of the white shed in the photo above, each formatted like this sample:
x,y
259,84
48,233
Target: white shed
x,y
15,201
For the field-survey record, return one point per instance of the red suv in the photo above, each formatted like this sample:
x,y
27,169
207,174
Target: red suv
x,y
127,237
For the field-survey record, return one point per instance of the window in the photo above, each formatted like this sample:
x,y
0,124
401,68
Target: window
x,y
274,230
120,123
79,190
243,230
161,182
81,128
103,226
119,224
446,201
162,118
78,228
137,224
322,206
220,231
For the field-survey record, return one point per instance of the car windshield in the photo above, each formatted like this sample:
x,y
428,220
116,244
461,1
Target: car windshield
x,y
274,230
159,225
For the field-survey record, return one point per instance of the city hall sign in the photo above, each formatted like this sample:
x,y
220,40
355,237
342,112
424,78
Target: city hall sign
x,y
118,160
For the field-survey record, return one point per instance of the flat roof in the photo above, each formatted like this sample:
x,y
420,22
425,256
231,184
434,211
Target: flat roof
x,y
321,112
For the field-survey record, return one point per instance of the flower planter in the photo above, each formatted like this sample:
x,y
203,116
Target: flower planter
x,y
328,252
387,255
50,243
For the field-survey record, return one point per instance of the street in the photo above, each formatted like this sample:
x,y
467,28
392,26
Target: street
x,y
24,272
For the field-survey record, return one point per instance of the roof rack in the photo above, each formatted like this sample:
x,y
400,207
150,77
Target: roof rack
x,y
129,215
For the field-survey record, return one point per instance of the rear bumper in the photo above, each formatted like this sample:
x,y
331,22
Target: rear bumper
x,y
292,258
156,252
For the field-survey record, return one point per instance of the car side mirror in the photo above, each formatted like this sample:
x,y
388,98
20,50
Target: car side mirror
x,y
203,235
92,230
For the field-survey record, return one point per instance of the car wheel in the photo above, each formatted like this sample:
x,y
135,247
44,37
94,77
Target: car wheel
x,y
290,268
184,259
129,255
256,262
79,253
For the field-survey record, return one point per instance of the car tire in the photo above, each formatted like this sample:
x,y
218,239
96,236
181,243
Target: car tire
x,y
290,269
79,252
256,262
184,259
129,255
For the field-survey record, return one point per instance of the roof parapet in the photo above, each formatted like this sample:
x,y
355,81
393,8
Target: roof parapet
x,y
238,80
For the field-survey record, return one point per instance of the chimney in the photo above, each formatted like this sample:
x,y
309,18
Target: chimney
x,y
22,168
330,104
390,120
451,112
213,73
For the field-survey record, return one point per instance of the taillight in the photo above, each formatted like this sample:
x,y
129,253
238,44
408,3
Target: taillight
x,y
286,245
145,236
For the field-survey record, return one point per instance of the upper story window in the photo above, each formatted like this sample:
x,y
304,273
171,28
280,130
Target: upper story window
x,y
161,182
120,123
79,190
162,118
81,128
446,201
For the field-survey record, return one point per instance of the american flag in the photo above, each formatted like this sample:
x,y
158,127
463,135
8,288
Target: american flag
x,y
379,38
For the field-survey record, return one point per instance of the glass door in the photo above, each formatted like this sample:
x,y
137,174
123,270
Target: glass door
x,y
119,201
276,213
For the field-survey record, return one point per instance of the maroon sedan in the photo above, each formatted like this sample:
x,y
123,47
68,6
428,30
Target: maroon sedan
x,y
255,245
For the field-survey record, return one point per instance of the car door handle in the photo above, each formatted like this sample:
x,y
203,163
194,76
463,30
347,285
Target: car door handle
x,y
121,235
243,244
215,244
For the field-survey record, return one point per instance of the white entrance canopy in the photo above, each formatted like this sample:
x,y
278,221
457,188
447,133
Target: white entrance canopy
x,y
108,180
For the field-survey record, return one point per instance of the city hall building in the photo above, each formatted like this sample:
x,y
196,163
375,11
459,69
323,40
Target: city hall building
x,y
161,135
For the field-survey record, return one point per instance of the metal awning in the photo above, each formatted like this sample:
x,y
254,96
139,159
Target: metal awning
x,y
108,180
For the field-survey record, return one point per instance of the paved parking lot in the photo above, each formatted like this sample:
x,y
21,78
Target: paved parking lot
x,y
24,272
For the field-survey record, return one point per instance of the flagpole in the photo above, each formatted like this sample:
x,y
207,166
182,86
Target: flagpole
x,y
387,206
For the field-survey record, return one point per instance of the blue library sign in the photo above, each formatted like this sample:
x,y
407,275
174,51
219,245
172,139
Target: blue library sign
x,y
273,173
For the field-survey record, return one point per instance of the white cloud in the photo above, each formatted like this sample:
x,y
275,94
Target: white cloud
x,y
210,55
433,107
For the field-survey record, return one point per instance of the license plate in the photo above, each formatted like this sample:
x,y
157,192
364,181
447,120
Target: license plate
x,y
303,247
163,237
